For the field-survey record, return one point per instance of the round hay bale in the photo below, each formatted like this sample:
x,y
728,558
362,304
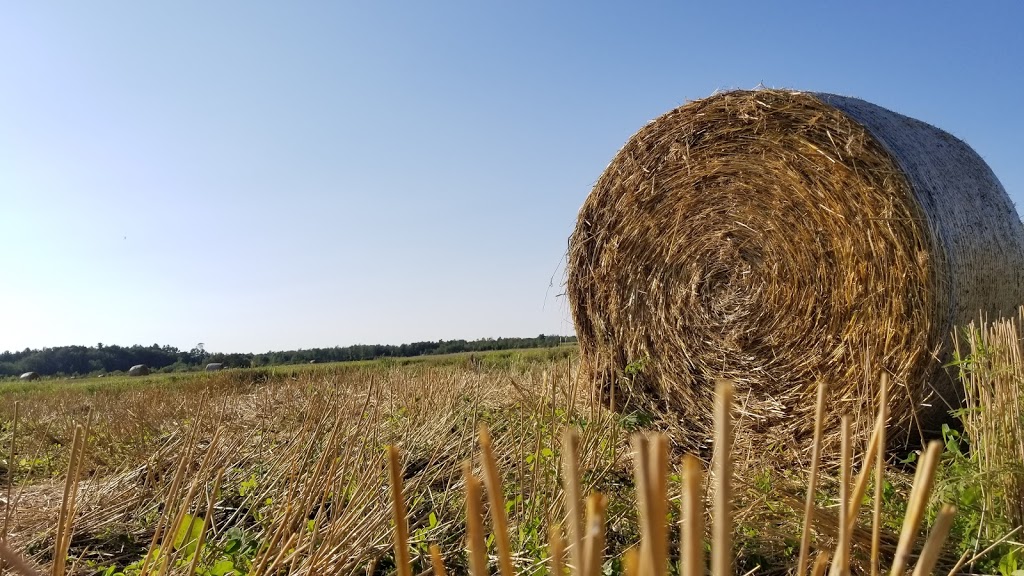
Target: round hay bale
x,y
29,376
781,238
139,370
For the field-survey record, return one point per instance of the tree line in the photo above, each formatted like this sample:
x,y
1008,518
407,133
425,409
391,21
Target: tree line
x,y
99,359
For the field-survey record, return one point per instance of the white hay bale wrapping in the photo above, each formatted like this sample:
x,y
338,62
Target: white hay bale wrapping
x,y
777,238
139,370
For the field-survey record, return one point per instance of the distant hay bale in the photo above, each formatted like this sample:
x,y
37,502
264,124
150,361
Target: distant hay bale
x,y
776,238
29,376
214,366
138,370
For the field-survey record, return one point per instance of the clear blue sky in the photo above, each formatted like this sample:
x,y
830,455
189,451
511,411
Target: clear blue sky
x,y
277,175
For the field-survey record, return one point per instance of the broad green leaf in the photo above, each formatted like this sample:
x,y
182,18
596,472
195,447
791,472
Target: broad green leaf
x,y
187,537
223,568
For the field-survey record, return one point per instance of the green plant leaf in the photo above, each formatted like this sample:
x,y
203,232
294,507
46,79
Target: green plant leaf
x,y
223,568
247,486
186,538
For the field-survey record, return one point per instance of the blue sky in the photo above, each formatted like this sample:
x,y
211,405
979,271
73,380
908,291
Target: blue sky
x,y
258,175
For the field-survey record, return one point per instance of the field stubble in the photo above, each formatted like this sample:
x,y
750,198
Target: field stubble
x,y
288,473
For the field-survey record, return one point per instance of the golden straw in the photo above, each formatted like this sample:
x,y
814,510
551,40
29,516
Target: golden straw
x,y
721,550
492,481
474,523
436,561
556,547
916,506
820,564
15,560
691,552
402,561
841,560
876,515
936,540
812,481
574,501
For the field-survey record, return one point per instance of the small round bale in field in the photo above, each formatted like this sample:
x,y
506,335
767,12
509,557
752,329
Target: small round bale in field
x,y
779,239
29,376
139,370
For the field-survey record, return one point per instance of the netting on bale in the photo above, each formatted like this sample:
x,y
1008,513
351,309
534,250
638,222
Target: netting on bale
x,y
779,238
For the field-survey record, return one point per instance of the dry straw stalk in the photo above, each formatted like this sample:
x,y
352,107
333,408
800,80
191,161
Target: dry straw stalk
x,y
328,548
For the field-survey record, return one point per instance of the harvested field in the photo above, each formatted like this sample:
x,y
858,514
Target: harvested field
x,y
292,472
779,239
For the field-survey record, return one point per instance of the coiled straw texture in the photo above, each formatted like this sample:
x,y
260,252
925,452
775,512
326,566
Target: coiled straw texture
x,y
778,238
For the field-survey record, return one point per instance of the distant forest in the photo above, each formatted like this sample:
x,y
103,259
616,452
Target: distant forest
x,y
99,359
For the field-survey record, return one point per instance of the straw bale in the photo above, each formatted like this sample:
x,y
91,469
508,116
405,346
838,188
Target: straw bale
x,y
139,370
778,238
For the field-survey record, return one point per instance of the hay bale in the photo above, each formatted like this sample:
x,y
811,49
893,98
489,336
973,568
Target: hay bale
x,y
29,376
139,370
777,238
